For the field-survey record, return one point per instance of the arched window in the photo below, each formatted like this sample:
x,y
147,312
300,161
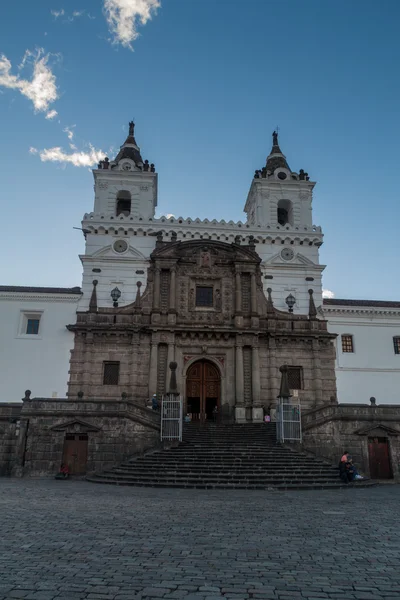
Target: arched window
x,y
123,203
285,212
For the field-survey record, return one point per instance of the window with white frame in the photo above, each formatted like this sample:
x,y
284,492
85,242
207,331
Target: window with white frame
x,y
30,324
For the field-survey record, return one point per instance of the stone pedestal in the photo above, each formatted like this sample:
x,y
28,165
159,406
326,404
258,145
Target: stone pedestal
x,y
257,414
240,414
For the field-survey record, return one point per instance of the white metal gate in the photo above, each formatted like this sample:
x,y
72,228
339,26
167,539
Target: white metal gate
x,y
288,422
171,417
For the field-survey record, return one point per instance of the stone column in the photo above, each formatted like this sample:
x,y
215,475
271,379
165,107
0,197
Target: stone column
x,y
238,308
156,295
253,294
172,290
153,369
240,410
257,411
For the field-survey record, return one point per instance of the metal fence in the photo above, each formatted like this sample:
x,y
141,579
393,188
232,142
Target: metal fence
x,y
288,422
171,417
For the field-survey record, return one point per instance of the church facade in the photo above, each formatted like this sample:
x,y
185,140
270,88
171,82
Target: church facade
x,y
228,302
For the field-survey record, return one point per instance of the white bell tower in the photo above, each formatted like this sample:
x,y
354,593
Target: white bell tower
x,y
279,205
125,194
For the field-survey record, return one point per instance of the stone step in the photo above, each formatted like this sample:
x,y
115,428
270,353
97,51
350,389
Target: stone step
x,y
231,472
266,479
225,457
279,487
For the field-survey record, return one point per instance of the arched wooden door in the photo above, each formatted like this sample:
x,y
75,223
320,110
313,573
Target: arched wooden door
x,y
203,385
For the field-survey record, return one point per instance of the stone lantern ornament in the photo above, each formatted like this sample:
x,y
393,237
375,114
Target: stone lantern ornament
x,y
290,301
115,295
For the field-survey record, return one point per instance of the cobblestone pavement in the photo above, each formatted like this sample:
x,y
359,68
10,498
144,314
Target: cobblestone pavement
x,y
76,540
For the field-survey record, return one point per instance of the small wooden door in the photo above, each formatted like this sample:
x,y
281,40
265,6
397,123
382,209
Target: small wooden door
x,y
76,452
203,391
379,459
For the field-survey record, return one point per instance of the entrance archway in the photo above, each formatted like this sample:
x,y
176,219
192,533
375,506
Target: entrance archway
x,y
203,389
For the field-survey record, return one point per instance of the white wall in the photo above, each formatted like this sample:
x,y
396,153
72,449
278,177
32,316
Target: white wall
x,y
37,362
373,369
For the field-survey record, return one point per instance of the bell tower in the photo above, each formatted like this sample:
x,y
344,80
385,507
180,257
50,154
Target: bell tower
x,y
279,206
115,257
279,197
127,185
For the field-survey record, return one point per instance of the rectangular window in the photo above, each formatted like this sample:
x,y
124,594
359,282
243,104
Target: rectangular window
x,y
396,344
347,343
32,326
204,296
295,378
111,373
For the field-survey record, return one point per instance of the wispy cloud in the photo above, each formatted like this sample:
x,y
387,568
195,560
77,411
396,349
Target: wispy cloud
x,y
124,16
51,114
69,18
41,89
77,158
69,132
327,294
58,13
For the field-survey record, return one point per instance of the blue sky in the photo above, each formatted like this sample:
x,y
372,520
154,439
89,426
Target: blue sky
x,y
207,82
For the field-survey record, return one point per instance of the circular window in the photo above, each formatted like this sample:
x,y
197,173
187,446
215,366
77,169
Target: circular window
x,y
120,246
282,175
287,254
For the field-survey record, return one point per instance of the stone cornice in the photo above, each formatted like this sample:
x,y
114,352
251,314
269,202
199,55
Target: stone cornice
x,y
101,222
35,297
354,310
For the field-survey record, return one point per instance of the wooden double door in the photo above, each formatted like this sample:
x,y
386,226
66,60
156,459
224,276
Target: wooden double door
x,y
203,388
76,452
379,458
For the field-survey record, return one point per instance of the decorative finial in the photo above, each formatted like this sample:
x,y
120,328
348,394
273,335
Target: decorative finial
x,y
312,311
131,128
275,138
284,391
93,298
173,387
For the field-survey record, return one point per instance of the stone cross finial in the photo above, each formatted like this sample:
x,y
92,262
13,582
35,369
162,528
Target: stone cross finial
x,y
275,138
131,128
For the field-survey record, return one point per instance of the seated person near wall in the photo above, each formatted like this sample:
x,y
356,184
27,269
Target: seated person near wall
x,y
63,472
347,470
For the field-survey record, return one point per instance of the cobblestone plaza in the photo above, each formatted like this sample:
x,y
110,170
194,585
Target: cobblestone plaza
x,y
76,540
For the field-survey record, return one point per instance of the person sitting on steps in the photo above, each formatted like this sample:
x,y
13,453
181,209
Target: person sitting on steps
x,y
63,472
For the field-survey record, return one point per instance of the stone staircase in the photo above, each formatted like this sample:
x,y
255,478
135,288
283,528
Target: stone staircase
x,y
226,457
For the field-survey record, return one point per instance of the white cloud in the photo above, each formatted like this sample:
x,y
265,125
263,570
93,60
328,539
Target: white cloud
x,y
124,16
78,159
51,114
327,294
78,13
41,89
58,13
69,132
